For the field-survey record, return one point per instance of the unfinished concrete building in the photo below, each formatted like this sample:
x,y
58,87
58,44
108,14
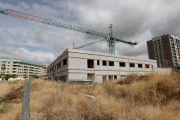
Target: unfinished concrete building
x,y
74,65
166,50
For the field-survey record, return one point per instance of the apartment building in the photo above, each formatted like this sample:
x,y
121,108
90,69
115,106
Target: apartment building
x,y
166,50
74,65
44,69
19,67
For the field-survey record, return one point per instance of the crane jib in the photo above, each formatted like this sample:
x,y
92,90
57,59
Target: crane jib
x,y
75,28
109,37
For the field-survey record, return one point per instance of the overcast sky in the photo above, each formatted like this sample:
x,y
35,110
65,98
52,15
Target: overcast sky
x,y
133,20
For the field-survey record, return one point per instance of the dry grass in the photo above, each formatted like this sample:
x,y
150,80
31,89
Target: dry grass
x,y
150,97
4,88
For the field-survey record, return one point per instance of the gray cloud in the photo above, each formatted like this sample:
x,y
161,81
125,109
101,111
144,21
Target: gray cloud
x,y
138,20
21,53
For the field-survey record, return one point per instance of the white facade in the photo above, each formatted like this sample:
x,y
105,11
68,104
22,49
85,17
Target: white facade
x,y
76,64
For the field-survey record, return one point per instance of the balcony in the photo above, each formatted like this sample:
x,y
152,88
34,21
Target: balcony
x,y
2,71
174,55
14,73
16,64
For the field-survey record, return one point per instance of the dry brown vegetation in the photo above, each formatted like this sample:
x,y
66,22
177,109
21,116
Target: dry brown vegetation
x,y
150,97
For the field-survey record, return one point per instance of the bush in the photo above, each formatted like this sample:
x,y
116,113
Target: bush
x,y
25,77
6,106
14,76
7,76
1,99
35,76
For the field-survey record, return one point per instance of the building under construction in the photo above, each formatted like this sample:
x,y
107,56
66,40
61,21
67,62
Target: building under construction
x,y
74,65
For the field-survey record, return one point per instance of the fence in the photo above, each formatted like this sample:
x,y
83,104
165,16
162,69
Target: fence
x,y
26,112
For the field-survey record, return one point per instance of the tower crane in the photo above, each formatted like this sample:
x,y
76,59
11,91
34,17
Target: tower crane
x,y
109,37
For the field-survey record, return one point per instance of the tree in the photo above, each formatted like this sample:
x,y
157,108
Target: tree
x,y
0,76
7,76
35,76
14,76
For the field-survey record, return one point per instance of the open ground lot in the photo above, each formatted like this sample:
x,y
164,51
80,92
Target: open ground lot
x,y
150,97
4,88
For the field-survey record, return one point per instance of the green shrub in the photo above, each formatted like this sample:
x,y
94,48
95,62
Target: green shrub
x,y
7,76
6,106
35,76
25,77
1,99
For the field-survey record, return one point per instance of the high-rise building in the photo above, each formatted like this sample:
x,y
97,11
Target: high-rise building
x,y
19,67
166,50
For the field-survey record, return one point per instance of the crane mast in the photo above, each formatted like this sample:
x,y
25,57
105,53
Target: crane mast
x,y
111,41
110,37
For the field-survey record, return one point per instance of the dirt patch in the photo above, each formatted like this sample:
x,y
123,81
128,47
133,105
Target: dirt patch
x,y
17,93
4,88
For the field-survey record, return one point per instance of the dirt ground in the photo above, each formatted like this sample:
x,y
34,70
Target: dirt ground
x,y
4,88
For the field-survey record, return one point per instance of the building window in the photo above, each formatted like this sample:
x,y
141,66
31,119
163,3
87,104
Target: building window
x,y
104,63
64,62
90,63
104,78
111,63
140,66
8,62
132,64
97,62
122,64
110,77
60,64
153,66
7,71
146,66
115,77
